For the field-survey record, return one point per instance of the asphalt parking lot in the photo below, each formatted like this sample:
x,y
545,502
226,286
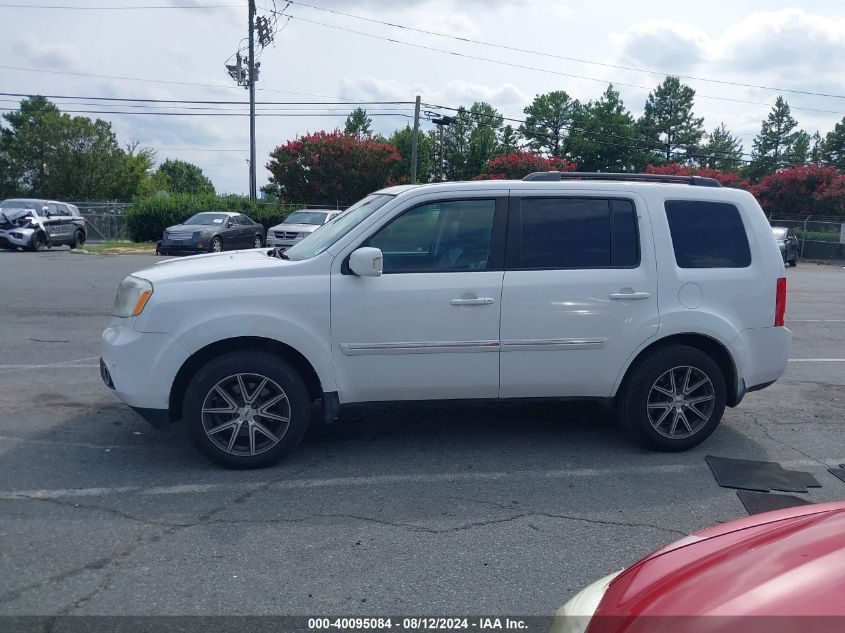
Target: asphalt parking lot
x,y
439,509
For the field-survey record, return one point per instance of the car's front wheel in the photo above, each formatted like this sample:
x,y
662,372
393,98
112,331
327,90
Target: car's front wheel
x,y
674,398
78,239
217,245
246,409
38,242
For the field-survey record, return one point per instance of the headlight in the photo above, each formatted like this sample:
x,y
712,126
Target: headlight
x,y
132,295
574,616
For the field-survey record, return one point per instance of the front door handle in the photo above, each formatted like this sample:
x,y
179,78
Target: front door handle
x,y
478,301
630,295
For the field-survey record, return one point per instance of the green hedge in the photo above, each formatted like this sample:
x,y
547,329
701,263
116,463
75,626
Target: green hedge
x,y
149,216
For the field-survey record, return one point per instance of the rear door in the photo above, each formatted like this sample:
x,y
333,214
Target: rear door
x,y
579,293
60,223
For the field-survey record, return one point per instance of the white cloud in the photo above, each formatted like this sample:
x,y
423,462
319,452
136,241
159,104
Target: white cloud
x,y
38,52
664,45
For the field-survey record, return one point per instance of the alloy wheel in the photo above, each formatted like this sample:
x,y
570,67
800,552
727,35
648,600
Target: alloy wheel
x,y
680,402
216,245
246,414
257,243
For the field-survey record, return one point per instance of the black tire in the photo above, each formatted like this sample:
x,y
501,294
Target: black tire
x,y
639,410
258,242
216,245
254,366
793,262
38,242
78,240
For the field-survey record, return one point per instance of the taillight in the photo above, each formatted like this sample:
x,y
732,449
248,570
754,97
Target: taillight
x,y
780,302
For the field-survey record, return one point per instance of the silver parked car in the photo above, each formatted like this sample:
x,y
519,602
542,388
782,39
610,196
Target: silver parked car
x,y
36,224
297,225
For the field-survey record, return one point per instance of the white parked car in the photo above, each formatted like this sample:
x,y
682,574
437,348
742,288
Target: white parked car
x,y
297,226
665,294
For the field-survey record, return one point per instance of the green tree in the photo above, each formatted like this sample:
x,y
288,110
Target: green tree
x,y
773,147
799,153
548,118
359,124
54,155
833,146
603,137
722,151
178,176
402,139
470,141
508,140
815,157
668,124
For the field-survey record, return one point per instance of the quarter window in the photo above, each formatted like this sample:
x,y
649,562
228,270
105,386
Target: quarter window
x,y
707,234
444,236
571,233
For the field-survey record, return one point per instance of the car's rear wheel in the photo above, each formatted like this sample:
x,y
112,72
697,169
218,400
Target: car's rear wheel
x,y
38,242
217,245
258,242
246,409
674,399
78,239
793,262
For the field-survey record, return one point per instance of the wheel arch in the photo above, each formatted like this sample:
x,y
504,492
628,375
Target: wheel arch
x,y
239,344
707,344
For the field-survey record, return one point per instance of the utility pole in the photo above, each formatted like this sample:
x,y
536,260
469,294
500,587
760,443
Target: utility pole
x,y
253,192
415,141
440,121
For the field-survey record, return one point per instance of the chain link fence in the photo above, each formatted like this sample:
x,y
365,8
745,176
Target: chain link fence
x,y
818,237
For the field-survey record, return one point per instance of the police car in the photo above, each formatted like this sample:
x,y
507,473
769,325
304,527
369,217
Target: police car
x,y
36,224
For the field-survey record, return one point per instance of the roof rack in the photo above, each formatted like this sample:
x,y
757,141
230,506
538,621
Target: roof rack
x,y
557,176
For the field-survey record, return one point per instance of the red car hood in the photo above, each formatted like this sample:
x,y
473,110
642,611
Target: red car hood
x,y
785,563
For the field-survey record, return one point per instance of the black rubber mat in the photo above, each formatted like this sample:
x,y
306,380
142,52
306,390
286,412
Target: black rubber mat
x,y
759,502
839,473
747,474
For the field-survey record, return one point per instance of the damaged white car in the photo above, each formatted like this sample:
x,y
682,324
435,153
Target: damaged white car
x,y
38,224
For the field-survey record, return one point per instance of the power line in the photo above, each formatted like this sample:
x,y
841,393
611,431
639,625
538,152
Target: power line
x,y
564,57
118,8
223,114
196,101
535,68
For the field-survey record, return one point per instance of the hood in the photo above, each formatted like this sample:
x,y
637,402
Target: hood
x,y
16,214
213,266
190,228
776,564
296,228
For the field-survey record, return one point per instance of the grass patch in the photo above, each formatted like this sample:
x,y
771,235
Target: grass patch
x,y
120,247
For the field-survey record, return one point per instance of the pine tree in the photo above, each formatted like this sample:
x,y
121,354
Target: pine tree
x,y
359,124
603,135
833,146
773,146
722,151
548,118
508,140
668,125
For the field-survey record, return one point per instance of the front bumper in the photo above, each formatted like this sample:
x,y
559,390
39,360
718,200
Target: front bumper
x,y
141,367
16,237
183,247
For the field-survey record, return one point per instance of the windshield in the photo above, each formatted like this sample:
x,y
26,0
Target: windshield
x,y
207,218
319,241
35,205
306,217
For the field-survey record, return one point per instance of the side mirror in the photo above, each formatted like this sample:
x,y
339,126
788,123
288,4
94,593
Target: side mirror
x,y
229,224
366,262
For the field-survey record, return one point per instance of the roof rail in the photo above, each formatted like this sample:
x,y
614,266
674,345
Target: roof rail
x,y
557,176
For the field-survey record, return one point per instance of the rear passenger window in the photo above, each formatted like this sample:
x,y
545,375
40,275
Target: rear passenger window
x,y
707,234
578,233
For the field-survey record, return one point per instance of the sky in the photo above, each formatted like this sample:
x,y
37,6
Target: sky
x,y
174,52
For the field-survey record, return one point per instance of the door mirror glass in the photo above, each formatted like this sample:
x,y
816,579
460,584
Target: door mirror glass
x,y
366,262
229,223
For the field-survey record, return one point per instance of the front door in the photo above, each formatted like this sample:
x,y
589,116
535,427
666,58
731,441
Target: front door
x,y
428,327
579,294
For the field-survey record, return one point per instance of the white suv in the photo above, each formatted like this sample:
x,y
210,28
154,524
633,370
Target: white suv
x,y
665,294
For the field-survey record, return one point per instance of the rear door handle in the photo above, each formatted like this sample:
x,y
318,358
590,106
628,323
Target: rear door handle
x,y
630,295
479,301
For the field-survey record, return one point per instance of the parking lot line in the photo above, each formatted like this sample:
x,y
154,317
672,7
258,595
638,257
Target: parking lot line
x,y
817,360
77,362
376,480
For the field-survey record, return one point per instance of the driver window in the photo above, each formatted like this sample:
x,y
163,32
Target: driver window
x,y
446,236
53,209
